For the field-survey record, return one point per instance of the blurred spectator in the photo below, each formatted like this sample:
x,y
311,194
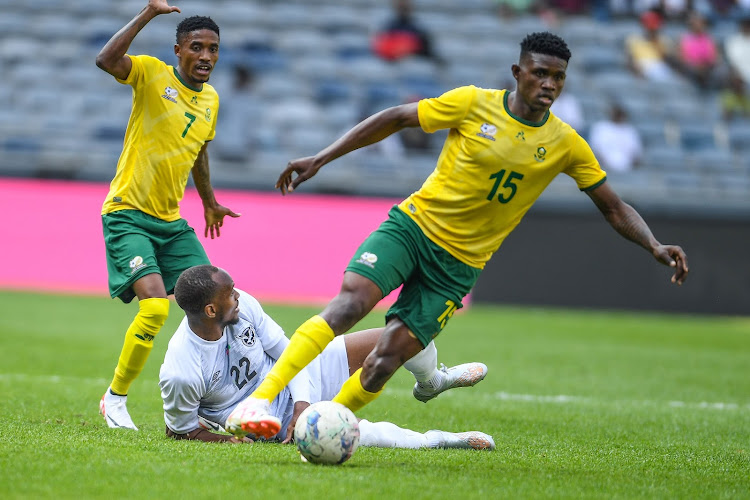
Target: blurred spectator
x,y
616,142
698,53
507,9
672,9
568,108
651,54
734,99
737,48
401,36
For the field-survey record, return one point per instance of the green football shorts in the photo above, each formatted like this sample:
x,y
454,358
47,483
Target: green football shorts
x,y
434,281
138,244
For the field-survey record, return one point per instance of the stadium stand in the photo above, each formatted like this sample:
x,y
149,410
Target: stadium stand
x,y
314,75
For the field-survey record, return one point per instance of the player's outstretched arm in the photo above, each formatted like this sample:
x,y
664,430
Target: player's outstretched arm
x,y
200,434
112,58
629,223
213,213
371,130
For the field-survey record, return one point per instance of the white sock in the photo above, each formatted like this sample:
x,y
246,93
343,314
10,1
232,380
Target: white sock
x,y
388,435
424,366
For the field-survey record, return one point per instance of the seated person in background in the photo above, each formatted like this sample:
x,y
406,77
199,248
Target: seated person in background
x,y
650,54
616,142
737,48
568,108
734,99
698,54
402,37
226,345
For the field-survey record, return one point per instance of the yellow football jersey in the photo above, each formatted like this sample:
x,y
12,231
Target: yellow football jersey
x,y
492,168
169,124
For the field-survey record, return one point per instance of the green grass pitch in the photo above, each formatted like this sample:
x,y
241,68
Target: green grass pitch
x,y
581,405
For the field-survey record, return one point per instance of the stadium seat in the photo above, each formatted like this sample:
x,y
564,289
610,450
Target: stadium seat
x,y
697,135
739,136
713,158
665,158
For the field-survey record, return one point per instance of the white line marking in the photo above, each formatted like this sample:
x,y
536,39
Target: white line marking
x,y
560,399
500,396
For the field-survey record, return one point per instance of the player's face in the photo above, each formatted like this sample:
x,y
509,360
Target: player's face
x,y
197,54
226,301
540,79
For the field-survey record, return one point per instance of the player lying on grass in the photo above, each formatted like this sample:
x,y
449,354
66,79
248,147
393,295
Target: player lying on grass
x,y
226,345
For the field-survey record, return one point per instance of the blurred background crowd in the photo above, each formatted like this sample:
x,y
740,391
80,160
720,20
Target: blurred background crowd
x,y
658,88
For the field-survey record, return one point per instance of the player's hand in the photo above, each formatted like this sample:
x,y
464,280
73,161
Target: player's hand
x,y
236,440
673,256
299,407
303,167
162,7
215,219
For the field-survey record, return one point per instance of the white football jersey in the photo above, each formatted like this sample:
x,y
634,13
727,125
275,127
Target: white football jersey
x,y
208,378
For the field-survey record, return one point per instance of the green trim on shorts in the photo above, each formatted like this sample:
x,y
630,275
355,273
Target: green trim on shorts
x,y
138,244
435,282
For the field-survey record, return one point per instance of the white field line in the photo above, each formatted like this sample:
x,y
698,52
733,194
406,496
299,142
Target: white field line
x,y
558,399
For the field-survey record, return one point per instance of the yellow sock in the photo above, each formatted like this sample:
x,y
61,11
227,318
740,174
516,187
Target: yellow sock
x,y
307,342
353,395
139,339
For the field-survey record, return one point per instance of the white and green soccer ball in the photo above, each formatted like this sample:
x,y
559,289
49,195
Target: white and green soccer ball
x,y
327,433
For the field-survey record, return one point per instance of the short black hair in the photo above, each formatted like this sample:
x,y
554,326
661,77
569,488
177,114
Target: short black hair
x,y
193,23
545,43
195,288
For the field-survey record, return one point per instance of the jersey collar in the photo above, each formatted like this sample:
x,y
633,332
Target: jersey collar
x,y
177,75
518,118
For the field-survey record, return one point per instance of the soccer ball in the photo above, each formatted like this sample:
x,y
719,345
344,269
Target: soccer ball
x,y
326,433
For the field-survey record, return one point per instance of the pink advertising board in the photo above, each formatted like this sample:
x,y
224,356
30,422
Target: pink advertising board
x,y
284,249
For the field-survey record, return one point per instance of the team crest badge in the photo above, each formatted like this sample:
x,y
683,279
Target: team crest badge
x,y
247,336
540,154
136,263
208,114
170,94
487,131
368,259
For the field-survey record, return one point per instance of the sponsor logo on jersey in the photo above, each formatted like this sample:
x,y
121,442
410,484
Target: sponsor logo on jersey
x,y
194,100
170,94
215,376
368,259
487,131
520,135
136,263
208,114
540,154
247,336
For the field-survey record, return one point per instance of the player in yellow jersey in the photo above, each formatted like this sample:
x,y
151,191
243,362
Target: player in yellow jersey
x,y
148,244
503,149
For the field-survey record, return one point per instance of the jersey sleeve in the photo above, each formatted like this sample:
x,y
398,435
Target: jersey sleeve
x,y
267,330
274,342
140,66
446,111
181,396
584,168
